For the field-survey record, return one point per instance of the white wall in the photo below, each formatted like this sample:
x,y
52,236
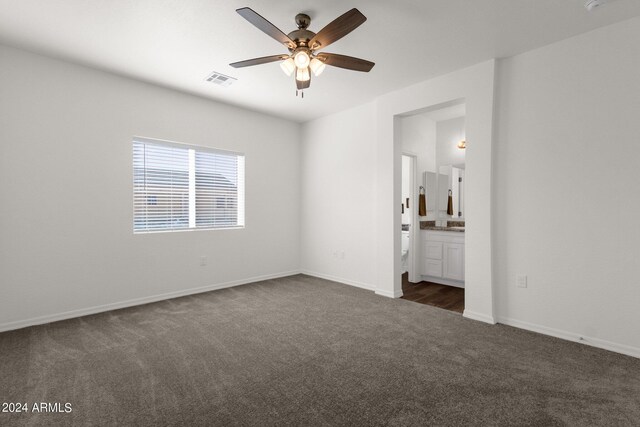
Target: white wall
x,y
448,134
66,241
362,148
569,108
474,85
566,188
338,177
418,136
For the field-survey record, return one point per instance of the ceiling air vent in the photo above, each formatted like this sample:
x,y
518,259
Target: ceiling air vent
x,y
591,5
220,79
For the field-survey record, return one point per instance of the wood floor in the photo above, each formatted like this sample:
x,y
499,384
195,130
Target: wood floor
x,y
442,296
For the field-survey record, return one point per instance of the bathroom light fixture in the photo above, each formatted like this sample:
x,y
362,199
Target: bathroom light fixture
x,y
462,144
288,66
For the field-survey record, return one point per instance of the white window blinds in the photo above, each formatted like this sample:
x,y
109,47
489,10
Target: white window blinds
x,y
179,187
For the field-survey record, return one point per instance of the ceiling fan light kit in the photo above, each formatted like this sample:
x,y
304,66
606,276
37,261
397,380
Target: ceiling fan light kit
x,y
317,66
303,44
302,75
301,58
288,66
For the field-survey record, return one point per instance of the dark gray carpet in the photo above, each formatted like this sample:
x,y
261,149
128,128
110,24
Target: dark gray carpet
x,y
304,351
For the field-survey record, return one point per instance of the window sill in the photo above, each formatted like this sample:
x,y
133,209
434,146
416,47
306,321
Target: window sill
x,y
190,230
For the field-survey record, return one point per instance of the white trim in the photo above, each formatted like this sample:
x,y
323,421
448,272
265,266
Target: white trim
x,y
479,317
570,336
136,301
386,293
414,229
360,285
409,153
186,230
442,281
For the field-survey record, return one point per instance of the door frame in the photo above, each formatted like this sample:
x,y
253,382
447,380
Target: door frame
x,y
413,264
475,86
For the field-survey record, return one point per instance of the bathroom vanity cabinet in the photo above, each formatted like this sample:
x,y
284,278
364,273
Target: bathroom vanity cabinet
x,y
443,257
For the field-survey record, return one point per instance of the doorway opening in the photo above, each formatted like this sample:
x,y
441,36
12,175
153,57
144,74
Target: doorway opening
x,y
409,216
433,207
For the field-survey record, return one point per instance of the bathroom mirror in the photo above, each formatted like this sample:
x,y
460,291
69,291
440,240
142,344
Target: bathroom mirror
x,y
444,183
431,190
451,184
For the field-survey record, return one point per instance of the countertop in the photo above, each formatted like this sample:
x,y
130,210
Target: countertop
x,y
449,229
452,226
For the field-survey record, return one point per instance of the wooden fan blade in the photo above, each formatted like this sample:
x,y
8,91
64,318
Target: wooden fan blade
x,y
303,85
348,62
258,61
338,28
265,26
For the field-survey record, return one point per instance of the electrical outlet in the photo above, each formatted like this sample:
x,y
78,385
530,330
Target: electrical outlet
x,y
521,280
203,261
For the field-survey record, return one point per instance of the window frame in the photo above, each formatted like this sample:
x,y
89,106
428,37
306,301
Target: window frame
x,y
241,185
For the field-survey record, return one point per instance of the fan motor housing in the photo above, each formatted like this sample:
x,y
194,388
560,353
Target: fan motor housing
x,y
303,20
301,37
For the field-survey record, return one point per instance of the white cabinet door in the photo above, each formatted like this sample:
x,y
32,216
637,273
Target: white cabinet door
x,y
432,267
453,261
433,250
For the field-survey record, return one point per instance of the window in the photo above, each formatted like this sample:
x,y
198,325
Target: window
x,y
182,187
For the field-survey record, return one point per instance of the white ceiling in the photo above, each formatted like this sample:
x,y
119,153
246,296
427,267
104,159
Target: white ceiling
x,y
177,43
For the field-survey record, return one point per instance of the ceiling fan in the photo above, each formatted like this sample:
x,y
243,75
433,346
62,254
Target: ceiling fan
x,y
304,44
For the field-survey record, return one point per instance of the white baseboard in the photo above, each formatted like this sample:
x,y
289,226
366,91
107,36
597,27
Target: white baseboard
x,y
570,336
339,280
353,283
479,317
18,324
385,293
